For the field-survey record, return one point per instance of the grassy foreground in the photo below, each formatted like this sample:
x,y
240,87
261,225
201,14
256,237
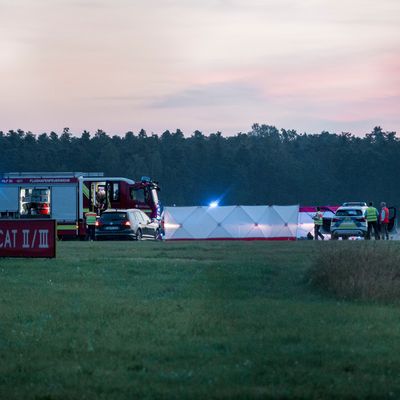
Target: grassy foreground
x,y
195,320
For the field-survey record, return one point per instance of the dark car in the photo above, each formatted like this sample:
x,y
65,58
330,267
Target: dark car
x,y
126,224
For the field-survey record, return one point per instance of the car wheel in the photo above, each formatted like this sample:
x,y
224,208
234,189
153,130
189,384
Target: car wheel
x,y
334,237
345,238
139,235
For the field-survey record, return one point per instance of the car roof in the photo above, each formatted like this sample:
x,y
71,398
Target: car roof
x,y
352,208
118,210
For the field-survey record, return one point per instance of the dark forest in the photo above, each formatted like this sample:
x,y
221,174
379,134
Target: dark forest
x,y
263,166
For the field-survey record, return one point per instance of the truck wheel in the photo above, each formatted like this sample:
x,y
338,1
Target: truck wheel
x,y
139,235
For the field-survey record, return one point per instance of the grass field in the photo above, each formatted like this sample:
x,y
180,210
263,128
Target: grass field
x,y
188,320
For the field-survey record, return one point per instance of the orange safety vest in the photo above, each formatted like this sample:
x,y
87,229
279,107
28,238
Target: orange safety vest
x,y
385,220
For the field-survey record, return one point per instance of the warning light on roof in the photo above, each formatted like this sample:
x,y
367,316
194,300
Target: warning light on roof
x,y
213,204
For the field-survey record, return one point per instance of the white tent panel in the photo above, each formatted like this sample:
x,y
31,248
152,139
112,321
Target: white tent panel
x,y
180,233
256,232
220,213
255,212
264,223
238,223
289,217
171,224
169,218
241,222
220,233
168,215
279,221
179,214
305,224
199,224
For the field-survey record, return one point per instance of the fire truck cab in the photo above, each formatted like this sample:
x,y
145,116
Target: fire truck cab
x,y
66,197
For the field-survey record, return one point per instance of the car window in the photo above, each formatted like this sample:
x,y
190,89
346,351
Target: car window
x,y
131,216
136,216
114,216
349,213
141,217
146,219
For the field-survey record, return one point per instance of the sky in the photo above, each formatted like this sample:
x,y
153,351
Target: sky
x,y
209,65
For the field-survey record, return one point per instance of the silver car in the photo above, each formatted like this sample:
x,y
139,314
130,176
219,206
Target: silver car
x,y
126,224
349,220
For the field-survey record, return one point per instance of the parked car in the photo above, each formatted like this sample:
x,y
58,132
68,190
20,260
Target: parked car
x,y
349,221
126,224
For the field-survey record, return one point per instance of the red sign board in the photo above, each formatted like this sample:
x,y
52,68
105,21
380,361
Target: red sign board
x,y
28,238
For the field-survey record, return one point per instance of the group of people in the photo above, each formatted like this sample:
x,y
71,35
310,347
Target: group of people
x,y
375,219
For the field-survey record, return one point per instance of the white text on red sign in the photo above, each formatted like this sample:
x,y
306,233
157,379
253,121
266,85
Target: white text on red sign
x,y
31,238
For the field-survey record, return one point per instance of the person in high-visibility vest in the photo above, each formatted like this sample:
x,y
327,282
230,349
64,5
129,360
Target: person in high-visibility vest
x,y
371,214
318,221
91,225
384,221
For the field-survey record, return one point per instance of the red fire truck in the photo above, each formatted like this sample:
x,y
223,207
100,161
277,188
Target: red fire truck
x,y
66,197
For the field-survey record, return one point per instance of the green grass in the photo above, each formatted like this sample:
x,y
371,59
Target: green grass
x,y
188,320
363,270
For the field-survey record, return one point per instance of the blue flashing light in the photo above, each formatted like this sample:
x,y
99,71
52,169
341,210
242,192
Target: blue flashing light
x,y
213,204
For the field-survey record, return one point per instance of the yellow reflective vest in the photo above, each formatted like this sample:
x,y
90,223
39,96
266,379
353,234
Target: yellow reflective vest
x,y
318,218
371,214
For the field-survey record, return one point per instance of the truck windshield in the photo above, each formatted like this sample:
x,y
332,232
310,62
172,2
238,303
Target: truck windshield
x,y
138,195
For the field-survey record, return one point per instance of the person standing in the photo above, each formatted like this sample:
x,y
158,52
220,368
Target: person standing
x,y
101,200
91,225
371,214
318,220
384,221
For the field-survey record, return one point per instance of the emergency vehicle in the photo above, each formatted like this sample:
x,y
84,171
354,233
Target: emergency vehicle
x,y
67,196
350,221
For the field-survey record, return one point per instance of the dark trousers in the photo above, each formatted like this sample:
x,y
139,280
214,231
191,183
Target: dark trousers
x,y
384,231
372,224
91,232
317,232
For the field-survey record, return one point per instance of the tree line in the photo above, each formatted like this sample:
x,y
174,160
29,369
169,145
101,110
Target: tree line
x,y
263,166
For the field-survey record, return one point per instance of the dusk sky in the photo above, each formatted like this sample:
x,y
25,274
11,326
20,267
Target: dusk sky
x,y
211,65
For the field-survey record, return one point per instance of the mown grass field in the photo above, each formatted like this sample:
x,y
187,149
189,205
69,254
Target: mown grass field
x,y
188,320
